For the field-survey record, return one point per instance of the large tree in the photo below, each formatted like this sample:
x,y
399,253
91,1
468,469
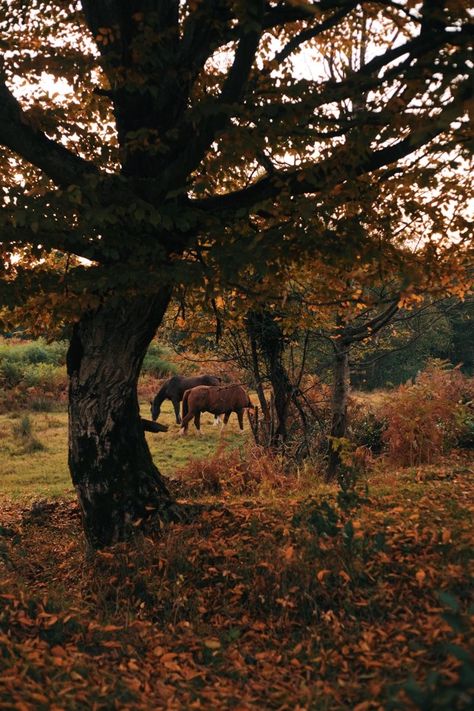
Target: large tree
x,y
183,133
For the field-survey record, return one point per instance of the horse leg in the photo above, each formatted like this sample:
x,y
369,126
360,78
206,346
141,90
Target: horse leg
x,y
226,420
176,411
240,417
197,422
184,424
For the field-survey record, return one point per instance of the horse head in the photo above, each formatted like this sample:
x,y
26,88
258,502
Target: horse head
x,y
155,410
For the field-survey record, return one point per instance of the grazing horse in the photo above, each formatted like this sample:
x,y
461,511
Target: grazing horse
x,y
219,400
174,388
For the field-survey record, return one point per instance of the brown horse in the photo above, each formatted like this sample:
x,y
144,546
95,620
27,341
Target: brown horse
x,y
219,400
174,388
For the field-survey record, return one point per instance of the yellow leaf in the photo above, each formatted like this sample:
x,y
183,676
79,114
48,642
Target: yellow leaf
x,y
322,574
212,643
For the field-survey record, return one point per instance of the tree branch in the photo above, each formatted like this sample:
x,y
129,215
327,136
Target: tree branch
x,y
351,335
285,14
31,144
327,174
312,32
63,239
182,163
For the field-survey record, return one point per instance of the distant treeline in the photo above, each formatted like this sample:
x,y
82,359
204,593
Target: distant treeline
x,y
442,332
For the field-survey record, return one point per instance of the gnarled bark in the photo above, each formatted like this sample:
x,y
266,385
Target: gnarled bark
x,y
112,470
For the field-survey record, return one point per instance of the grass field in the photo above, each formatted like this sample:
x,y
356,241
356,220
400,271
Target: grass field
x,y
36,465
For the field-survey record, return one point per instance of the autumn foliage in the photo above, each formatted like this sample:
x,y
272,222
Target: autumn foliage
x,y
291,602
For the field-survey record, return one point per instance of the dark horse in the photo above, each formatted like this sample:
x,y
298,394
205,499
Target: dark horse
x,y
220,400
174,388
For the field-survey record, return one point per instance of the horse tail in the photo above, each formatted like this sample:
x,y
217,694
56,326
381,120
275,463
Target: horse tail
x,y
185,403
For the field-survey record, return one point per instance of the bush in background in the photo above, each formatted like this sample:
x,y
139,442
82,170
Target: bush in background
x,y
32,373
429,417
367,427
38,351
157,362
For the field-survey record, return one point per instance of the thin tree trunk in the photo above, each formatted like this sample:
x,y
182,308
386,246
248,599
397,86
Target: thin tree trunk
x,y
116,481
266,421
269,336
339,410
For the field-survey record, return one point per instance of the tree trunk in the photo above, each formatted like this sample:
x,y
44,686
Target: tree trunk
x,y
116,482
270,338
267,420
339,410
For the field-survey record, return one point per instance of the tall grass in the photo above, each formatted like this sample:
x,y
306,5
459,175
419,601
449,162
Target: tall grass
x,y
23,433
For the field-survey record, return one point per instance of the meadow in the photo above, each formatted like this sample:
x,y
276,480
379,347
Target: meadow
x,y
33,449
281,592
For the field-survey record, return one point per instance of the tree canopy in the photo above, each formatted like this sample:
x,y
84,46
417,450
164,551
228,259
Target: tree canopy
x,y
161,144
150,137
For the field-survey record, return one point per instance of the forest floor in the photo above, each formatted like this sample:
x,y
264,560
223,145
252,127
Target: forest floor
x,y
289,597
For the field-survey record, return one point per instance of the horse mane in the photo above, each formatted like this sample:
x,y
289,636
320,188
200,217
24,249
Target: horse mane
x,y
231,385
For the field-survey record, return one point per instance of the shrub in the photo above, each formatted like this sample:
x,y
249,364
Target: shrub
x,y
44,375
367,429
32,371
156,362
465,438
308,424
38,351
11,373
427,418
236,471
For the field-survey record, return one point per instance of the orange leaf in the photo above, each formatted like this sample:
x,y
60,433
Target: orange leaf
x,y
420,576
446,535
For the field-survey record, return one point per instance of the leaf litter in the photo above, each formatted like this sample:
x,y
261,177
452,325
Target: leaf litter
x,y
297,602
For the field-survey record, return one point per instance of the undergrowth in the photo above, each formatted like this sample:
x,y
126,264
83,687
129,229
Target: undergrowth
x,y
233,470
